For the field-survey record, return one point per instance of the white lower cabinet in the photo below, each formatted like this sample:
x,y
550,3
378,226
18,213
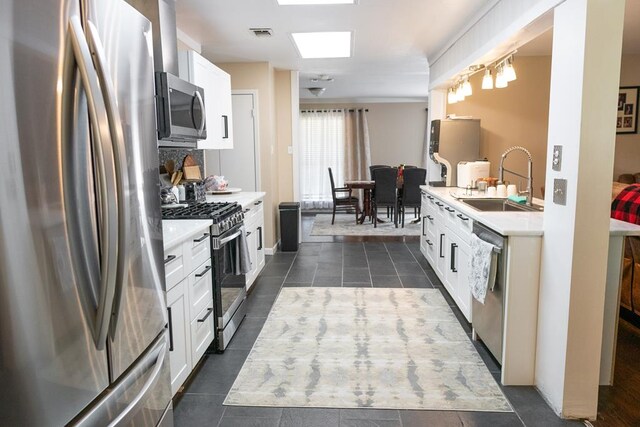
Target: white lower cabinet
x,y
445,244
254,225
188,274
179,336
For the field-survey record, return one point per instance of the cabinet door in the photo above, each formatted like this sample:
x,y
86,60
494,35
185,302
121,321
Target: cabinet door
x,y
204,74
462,262
451,271
179,336
260,258
252,240
226,110
441,251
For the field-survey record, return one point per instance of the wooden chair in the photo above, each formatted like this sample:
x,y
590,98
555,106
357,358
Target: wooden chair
x,y
386,193
410,197
345,202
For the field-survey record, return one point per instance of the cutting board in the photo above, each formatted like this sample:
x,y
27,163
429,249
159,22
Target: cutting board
x,y
192,172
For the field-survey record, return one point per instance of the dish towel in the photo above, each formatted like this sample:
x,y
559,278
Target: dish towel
x,y
483,267
236,259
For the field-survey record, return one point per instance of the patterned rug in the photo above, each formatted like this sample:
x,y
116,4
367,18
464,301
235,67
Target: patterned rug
x,y
345,225
365,348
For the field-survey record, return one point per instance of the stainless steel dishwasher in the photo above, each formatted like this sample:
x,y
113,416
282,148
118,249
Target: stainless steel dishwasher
x,y
488,319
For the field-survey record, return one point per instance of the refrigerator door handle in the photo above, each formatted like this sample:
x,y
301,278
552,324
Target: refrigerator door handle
x,y
120,163
78,57
102,411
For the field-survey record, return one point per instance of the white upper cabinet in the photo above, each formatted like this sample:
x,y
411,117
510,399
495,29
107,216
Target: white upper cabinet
x,y
217,98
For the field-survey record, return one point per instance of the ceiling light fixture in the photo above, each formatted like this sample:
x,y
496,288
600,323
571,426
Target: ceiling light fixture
x,y
331,44
509,71
451,96
487,80
323,78
467,90
313,2
501,78
317,91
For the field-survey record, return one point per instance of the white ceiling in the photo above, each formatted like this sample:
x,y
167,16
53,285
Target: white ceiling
x,y
392,40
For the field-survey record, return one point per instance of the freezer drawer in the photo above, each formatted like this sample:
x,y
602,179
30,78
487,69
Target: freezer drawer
x,y
141,396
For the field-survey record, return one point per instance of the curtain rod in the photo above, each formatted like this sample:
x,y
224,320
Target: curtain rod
x,y
334,111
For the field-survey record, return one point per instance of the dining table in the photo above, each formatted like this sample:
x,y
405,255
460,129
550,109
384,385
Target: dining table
x,y
367,188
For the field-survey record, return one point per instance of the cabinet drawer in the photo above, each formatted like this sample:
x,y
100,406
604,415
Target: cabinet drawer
x,y
174,270
464,226
451,218
200,288
253,212
200,251
202,331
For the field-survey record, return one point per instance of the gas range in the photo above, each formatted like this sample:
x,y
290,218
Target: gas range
x,y
224,215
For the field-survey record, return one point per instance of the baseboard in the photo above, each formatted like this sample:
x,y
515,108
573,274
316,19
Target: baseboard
x,y
273,250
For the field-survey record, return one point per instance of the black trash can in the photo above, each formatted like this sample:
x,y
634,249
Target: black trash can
x,y
289,229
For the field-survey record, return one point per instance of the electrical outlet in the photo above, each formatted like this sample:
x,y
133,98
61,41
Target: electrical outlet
x,y
560,191
556,162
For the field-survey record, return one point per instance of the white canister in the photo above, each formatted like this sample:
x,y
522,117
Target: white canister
x,y
512,190
176,193
183,193
491,191
501,190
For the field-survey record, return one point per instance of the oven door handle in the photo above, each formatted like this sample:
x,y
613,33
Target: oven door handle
x,y
230,238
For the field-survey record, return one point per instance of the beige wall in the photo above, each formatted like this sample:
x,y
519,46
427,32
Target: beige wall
x,y
627,158
283,134
259,76
515,115
396,130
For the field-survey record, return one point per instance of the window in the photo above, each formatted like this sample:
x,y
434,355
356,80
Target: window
x,y
322,145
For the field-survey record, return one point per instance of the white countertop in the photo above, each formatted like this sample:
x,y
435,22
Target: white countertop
x,y
176,230
515,223
244,198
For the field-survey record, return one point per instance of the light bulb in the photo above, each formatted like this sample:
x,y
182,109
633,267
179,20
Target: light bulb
x,y
466,88
451,97
501,79
459,93
487,80
509,71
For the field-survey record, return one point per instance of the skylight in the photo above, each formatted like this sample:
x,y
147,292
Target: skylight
x,y
306,2
333,44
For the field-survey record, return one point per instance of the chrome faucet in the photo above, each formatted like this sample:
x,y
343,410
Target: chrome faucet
x,y
529,178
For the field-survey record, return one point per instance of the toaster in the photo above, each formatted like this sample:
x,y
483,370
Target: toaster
x,y
470,172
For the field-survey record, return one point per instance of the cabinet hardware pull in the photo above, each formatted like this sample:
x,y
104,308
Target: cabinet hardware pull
x,y
439,204
260,248
170,258
209,311
206,269
429,242
453,257
429,217
246,210
441,245
462,218
448,209
225,120
204,236
170,329
258,202
248,233
430,197
423,224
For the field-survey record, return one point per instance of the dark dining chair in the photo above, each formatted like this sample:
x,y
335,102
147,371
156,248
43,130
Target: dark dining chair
x,y
372,168
343,202
410,167
410,197
386,193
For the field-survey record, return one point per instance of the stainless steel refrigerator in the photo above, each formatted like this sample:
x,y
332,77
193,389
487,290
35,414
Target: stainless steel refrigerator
x,y
82,311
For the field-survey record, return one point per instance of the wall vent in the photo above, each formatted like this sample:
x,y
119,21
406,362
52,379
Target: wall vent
x,y
262,32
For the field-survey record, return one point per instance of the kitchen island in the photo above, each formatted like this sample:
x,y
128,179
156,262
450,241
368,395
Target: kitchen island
x,y
448,223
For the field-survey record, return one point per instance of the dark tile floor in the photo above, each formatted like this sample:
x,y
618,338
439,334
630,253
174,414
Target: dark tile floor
x,y
348,263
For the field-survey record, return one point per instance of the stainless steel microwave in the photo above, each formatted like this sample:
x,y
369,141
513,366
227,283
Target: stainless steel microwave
x,y
181,111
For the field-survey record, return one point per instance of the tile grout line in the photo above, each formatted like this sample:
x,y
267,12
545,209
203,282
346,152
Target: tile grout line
x,y
364,248
422,268
394,264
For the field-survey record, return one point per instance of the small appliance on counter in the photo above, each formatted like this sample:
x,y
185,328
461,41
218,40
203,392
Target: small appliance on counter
x,y
195,191
453,141
470,172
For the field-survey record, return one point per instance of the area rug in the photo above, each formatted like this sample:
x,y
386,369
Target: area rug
x,y
345,225
365,348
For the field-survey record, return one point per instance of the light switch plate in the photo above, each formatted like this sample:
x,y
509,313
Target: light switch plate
x,y
289,149
560,191
556,162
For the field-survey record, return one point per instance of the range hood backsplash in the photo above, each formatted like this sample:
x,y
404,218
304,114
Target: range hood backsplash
x,y
162,14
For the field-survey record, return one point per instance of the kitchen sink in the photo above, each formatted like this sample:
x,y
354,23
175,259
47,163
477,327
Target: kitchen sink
x,y
500,205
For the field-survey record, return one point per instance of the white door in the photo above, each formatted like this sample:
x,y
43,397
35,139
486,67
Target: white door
x,y
240,165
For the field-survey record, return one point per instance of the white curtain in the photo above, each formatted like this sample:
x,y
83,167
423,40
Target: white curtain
x,y
322,140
